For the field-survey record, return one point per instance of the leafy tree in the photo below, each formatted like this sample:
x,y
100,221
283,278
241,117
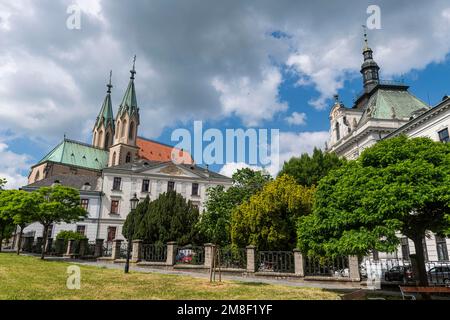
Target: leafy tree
x,y
168,218
214,224
268,219
134,219
2,183
67,235
308,170
6,220
399,184
21,207
58,204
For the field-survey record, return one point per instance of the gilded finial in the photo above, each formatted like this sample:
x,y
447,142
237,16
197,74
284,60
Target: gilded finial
x,y
366,41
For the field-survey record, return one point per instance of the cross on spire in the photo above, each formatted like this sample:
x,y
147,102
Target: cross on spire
x,y
133,71
109,85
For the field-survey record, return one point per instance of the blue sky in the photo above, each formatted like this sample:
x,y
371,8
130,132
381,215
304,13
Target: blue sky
x,y
228,64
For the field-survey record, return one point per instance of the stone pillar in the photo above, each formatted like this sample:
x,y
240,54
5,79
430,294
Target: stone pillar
x,y
137,251
209,254
83,247
251,258
171,253
98,247
116,249
299,263
69,247
353,265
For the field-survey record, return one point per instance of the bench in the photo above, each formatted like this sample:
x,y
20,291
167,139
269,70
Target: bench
x,y
406,291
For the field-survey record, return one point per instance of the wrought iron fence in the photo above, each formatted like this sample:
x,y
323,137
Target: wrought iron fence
x,y
194,255
154,252
325,267
107,249
400,270
233,257
275,261
123,250
58,247
90,249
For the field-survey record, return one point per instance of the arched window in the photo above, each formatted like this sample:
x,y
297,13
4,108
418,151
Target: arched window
x,y
124,128
100,138
338,133
106,146
128,157
94,141
113,162
36,178
131,131
117,129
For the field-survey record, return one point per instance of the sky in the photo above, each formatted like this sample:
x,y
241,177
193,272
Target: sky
x,y
230,64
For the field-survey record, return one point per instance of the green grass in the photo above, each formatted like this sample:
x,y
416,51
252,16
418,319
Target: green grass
x,y
25,277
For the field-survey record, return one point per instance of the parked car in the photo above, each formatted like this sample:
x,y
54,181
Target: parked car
x,y
439,276
399,273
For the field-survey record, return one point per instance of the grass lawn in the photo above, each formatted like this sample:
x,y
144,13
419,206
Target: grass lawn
x,y
24,277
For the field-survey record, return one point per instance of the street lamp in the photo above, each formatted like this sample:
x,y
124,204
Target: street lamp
x,y
133,204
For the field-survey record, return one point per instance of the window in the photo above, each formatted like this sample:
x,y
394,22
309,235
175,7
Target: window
x,y
131,131
111,233
375,254
425,251
405,248
116,184
443,135
338,133
85,204
145,185
441,248
106,145
115,207
124,128
81,230
195,189
128,158
170,186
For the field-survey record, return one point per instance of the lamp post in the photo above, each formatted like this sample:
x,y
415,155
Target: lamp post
x,y
133,204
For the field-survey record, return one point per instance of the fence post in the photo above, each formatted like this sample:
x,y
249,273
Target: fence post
x,y
251,261
208,254
137,251
353,266
116,249
171,253
69,247
299,263
98,247
83,247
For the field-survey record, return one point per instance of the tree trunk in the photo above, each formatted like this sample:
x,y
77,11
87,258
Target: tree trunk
x,y
44,241
19,241
422,275
2,230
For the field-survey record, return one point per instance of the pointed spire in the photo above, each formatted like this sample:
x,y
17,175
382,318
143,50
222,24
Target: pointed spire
x,y
106,113
369,68
129,101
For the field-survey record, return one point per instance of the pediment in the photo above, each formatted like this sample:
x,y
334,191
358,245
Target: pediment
x,y
171,170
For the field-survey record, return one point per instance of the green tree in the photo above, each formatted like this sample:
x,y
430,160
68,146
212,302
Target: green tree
x,y
2,183
399,184
268,219
58,204
168,218
134,219
6,220
308,170
214,223
21,207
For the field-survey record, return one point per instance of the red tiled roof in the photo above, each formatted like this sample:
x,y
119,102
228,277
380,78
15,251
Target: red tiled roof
x,y
155,151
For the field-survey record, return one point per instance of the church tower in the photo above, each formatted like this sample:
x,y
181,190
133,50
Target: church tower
x,y
369,68
103,131
124,148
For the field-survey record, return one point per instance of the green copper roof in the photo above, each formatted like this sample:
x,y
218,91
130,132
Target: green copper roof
x,y
78,154
392,103
106,113
129,101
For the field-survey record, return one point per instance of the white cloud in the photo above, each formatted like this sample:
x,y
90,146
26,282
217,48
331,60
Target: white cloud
x,y
297,119
12,167
230,168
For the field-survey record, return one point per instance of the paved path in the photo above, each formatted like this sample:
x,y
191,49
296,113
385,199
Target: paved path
x,y
205,275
